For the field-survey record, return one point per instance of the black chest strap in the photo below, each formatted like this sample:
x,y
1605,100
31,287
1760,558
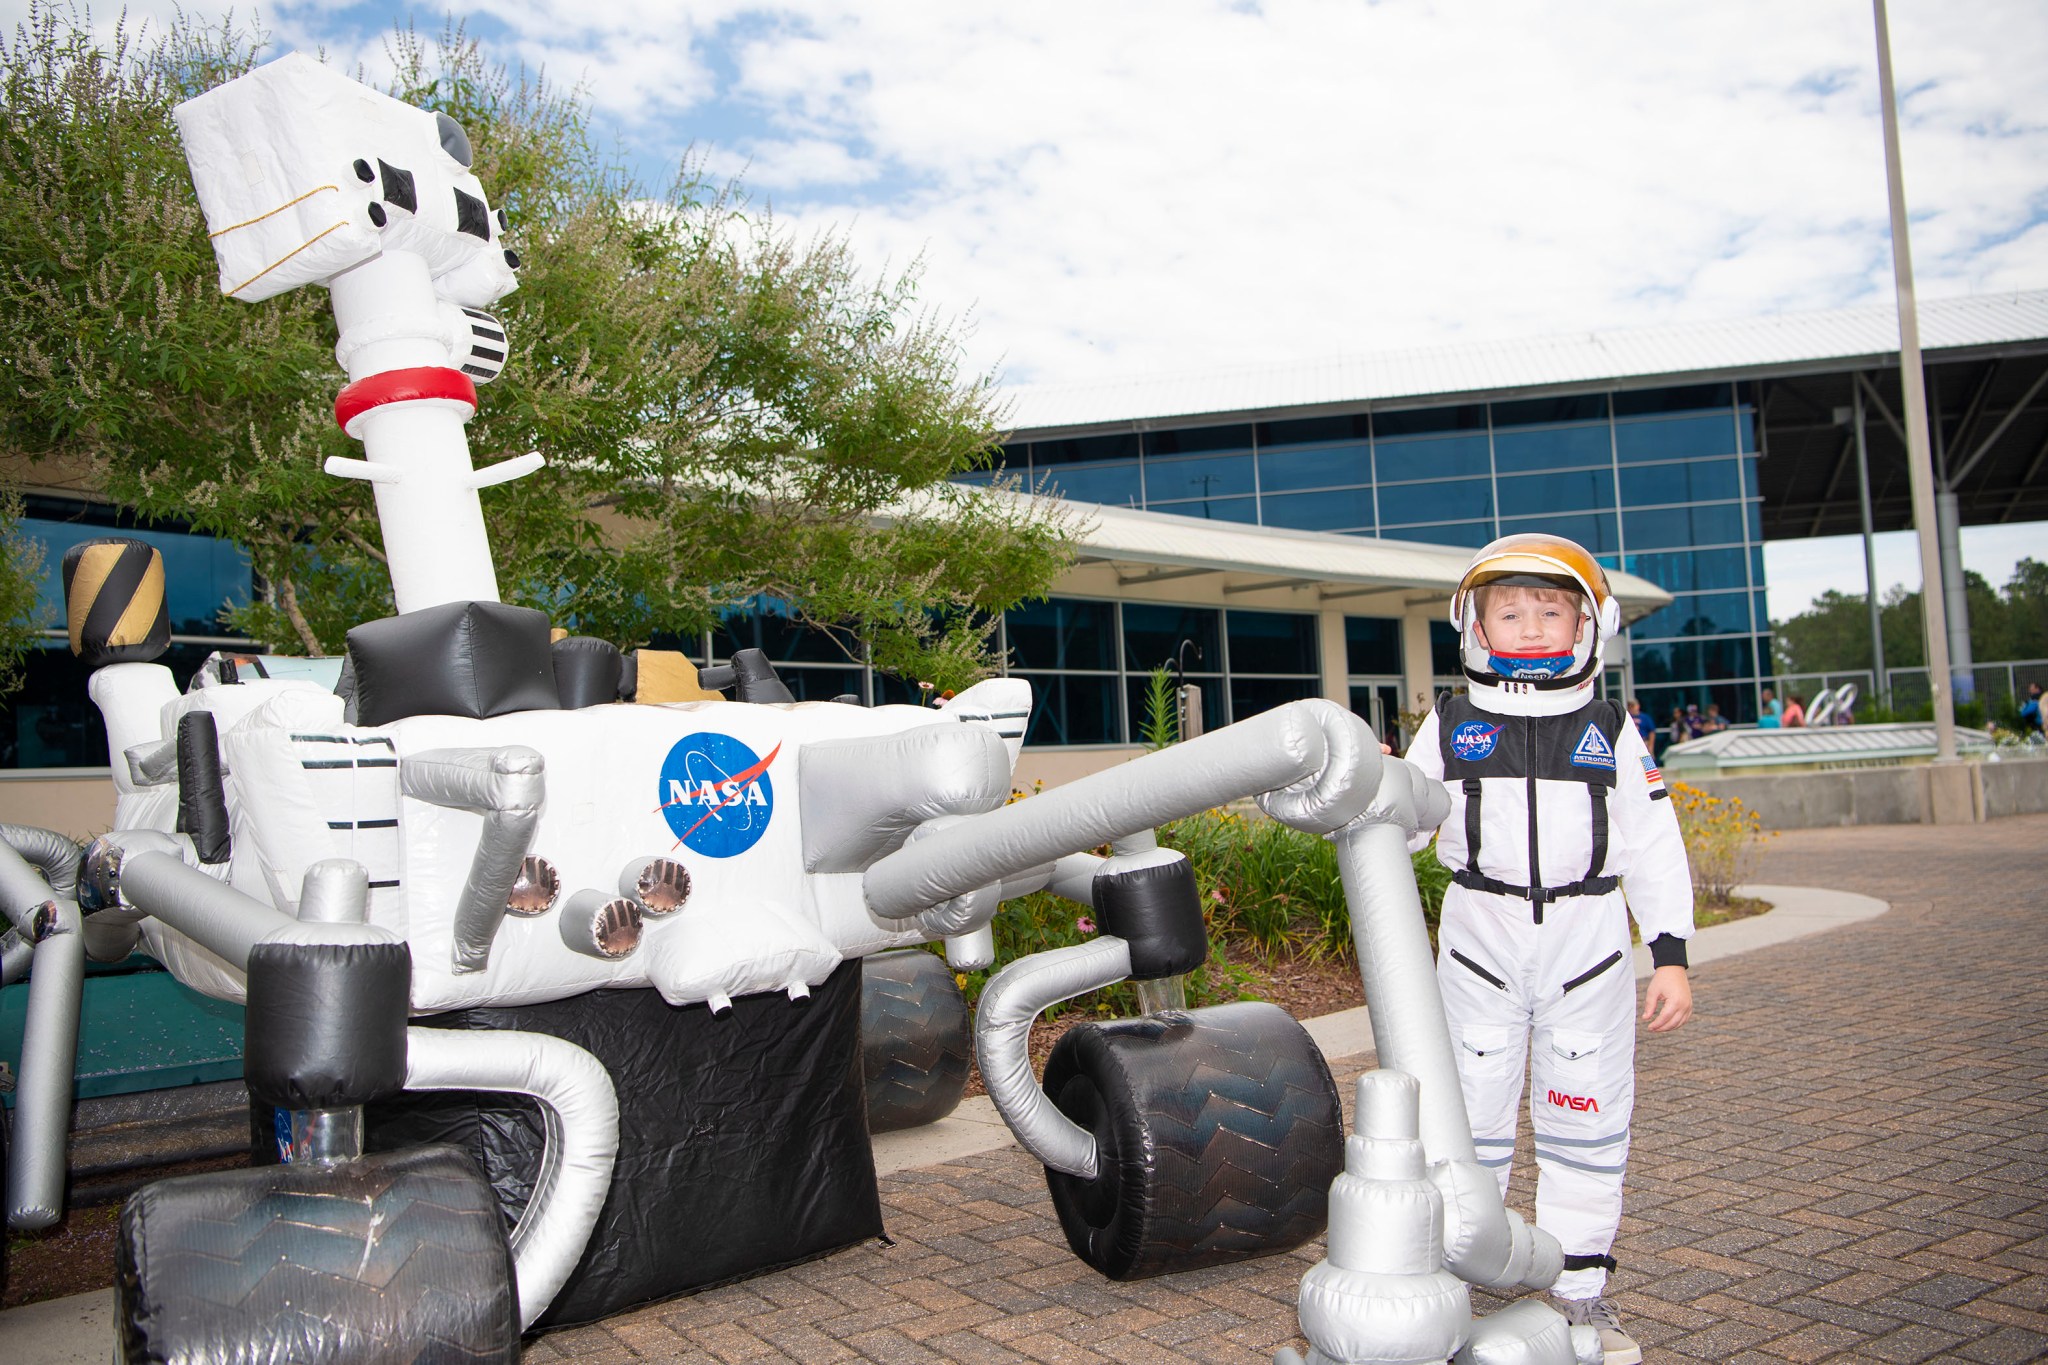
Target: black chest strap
x,y
1592,884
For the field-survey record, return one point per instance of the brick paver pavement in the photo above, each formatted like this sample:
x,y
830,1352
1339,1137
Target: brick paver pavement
x,y
1842,1158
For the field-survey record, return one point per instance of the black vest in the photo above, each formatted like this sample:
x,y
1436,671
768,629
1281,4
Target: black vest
x,y
1579,747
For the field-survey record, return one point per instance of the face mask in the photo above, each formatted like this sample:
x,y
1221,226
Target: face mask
x,y
1529,666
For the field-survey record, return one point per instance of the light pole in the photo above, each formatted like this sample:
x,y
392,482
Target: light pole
x,y
1919,462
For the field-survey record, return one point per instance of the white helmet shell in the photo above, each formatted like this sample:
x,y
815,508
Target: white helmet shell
x,y
1531,560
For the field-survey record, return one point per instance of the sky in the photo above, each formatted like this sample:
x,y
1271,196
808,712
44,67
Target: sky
x,y
1104,190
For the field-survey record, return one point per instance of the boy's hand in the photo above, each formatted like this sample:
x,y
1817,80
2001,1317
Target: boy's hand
x,y
1667,1004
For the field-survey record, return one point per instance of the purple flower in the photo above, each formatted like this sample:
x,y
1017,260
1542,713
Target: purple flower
x,y
1085,925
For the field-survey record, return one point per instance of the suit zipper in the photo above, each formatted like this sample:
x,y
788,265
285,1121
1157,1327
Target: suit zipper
x,y
1479,971
1583,977
1535,858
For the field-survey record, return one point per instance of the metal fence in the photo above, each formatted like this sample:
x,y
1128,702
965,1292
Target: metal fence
x,y
1907,687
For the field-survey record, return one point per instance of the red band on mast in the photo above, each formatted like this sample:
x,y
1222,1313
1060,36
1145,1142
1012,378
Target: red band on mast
x,y
402,386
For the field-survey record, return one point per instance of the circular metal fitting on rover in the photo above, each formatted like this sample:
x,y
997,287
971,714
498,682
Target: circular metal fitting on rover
x,y
536,888
99,877
661,885
601,927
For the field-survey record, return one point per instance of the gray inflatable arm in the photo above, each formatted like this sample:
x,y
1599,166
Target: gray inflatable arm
x,y
1317,762
145,871
506,786
48,920
1484,1242
580,1114
1010,1003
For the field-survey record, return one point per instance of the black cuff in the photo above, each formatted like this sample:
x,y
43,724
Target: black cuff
x,y
1667,950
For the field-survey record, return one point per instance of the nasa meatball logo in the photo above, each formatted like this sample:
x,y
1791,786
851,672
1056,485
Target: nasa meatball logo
x,y
716,794
1474,740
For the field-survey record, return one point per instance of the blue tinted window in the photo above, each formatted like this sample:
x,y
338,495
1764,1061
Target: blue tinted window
x,y
1470,534
1693,570
1749,476
1580,490
1193,440
1215,509
1250,696
1214,476
982,477
1756,521
1674,438
1693,481
764,624
1688,398
1745,423
1675,661
1423,421
1551,448
1084,449
1444,657
1314,467
1404,503
1372,644
52,723
1578,407
1153,632
1272,642
1662,527
201,575
820,684
1314,430
1062,633
1067,708
1115,484
1439,458
1336,509
1721,613
1595,530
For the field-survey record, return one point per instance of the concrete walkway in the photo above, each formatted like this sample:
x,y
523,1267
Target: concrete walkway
x,y
1841,1158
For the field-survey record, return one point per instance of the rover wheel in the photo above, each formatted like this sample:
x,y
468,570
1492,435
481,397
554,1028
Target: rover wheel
x,y
398,1258
914,1040
1218,1132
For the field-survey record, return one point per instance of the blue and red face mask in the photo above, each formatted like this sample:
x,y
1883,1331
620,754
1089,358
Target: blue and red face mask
x,y
1530,667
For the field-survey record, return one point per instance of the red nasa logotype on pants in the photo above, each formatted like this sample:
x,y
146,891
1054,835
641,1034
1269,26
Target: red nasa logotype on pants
x,y
1582,1103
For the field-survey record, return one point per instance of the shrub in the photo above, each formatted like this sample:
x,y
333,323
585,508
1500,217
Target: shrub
x,y
1723,841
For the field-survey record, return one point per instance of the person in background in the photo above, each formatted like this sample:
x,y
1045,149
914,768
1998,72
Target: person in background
x,y
1675,731
1795,712
1713,723
1772,713
1645,726
2030,711
1694,726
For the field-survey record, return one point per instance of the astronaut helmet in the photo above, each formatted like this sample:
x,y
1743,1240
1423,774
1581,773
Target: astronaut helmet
x,y
1546,681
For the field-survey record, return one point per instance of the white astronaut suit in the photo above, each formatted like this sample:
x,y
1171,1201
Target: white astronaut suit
x,y
1574,831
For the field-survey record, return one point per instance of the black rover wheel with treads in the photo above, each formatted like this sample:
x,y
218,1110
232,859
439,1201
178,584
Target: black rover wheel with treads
x,y
399,1259
913,1039
1218,1132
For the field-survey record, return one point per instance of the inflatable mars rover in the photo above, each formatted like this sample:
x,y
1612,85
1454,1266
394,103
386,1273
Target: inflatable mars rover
x,y
555,959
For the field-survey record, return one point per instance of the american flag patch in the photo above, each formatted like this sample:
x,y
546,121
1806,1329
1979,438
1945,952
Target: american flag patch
x,y
1650,769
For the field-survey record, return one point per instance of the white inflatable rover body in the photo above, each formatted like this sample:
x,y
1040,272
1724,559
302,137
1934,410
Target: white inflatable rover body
x,y
454,832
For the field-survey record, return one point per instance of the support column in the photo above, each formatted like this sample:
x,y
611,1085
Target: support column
x,y
1955,597
1418,687
1879,680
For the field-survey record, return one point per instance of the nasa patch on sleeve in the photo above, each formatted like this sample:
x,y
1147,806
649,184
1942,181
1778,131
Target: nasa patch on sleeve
x,y
1593,750
1475,739
716,794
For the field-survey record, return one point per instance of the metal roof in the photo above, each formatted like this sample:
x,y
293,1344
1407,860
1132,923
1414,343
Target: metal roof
x,y
1787,343
1123,535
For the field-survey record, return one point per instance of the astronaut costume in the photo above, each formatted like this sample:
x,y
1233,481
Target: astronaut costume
x,y
1556,805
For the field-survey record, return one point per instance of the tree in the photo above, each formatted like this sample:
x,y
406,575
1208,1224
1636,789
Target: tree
x,y
1833,635
727,414
21,617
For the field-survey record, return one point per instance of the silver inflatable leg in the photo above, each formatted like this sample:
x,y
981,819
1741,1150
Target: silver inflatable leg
x,y
49,1048
1009,1004
506,787
1382,1296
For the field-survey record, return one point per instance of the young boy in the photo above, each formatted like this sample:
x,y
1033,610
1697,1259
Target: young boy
x,y
1555,805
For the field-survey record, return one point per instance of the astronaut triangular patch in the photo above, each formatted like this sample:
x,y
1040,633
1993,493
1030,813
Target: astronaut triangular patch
x,y
1594,751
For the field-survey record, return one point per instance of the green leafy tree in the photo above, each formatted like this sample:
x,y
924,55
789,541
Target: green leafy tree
x,y
727,413
21,617
1833,635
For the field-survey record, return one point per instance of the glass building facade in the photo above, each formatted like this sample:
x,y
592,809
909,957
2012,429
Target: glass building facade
x,y
1661,483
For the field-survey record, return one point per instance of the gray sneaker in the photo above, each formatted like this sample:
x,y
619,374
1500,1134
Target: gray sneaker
x,y
1601,1314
